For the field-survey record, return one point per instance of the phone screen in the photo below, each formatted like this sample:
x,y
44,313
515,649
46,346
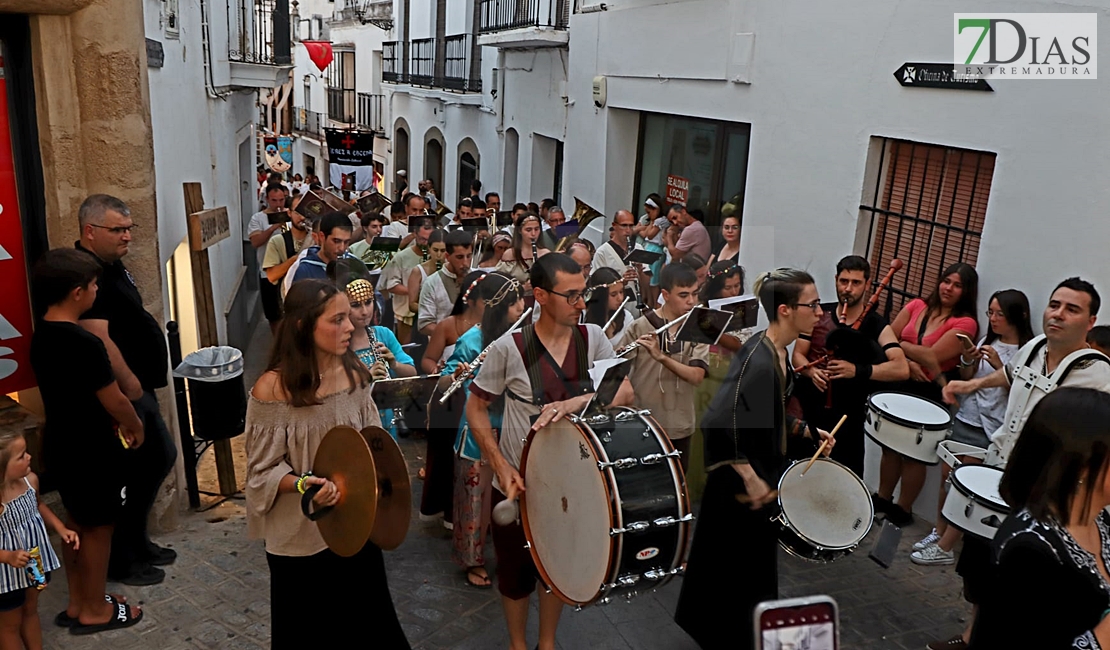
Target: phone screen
x,y
809,627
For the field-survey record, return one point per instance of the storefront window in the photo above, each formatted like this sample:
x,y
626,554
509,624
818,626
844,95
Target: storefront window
x,y
701,163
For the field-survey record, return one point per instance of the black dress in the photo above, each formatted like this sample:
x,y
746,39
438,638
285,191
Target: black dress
x,y
1045,591
733,561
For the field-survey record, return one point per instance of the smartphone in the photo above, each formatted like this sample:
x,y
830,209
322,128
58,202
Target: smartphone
x,y
965,338
795,623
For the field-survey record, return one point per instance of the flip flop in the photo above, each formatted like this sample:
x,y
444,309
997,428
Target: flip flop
x,y
121,620
473,571
65,620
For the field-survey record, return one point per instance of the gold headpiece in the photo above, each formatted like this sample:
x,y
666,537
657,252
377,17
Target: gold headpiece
x,y
360,290
511,285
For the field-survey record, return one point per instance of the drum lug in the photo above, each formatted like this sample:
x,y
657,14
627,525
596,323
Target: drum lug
x,y
920,435
606,438
578,608
597,420
620,463
634,527
652,459
604,601
968,508
659,574
622,582
630,595
646,434
527,546
878,423
670,521
625,416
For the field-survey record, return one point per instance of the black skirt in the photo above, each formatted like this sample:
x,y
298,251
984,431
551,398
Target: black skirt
x,y
328,601
733,567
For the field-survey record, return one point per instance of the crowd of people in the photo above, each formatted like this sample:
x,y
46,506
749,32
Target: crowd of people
x,y
518,313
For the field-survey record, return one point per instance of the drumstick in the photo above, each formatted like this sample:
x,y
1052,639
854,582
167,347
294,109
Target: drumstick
x,y
743,498
825,443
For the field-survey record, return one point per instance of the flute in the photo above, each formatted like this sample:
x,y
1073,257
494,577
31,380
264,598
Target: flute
x,y
455,385
635,344
615,314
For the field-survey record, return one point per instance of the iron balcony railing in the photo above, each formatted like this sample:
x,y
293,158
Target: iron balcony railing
x,y
393,62
422,62
462,65
501,15
370,112
341,104
258,32
308,122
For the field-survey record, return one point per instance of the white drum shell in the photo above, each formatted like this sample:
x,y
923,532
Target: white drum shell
x,y
974,513
917,441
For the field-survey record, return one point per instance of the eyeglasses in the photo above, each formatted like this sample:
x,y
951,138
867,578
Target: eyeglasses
x,y
730,227
116,230
815,305
991,312
573,296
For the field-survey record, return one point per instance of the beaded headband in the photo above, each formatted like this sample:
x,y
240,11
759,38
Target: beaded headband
x,y
466,294
725,271
360,290
511,286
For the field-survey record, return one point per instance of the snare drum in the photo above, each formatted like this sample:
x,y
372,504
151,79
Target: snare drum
x,y
908,424
975,506
605,509
825,514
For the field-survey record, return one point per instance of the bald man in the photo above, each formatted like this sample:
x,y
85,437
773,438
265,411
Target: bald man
x,y
611,254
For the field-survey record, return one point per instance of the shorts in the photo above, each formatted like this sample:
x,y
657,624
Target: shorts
x,y
16,599
270,294
969,434
93,501
516,572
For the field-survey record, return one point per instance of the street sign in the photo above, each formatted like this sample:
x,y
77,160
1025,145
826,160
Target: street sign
x,y
208,227
936,75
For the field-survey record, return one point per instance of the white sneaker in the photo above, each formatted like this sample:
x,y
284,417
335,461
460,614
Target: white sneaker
x,y
448,525
930,539
933,555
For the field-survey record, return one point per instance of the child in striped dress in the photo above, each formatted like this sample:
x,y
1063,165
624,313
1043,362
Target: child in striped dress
x,y
26,557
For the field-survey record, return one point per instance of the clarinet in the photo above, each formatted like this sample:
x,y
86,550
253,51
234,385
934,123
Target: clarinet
x,y
457,384
535,253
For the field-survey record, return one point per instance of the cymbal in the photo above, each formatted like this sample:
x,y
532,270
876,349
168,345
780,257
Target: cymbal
x,y
344,457
394,507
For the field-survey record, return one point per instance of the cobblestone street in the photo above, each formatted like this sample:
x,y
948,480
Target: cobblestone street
x,y
217,593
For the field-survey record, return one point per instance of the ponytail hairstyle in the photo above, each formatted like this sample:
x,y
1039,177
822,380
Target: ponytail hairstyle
x,y
597,307
782,286
1015,309
720,273
500,292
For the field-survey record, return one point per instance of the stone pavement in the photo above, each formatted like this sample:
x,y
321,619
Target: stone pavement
x,y
217,594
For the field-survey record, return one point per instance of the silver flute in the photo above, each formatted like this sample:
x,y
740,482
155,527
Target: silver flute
x,y
615,314
468,375
635,344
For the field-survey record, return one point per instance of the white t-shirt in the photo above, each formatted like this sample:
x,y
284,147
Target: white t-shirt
x,y
985,408
396,229
259,222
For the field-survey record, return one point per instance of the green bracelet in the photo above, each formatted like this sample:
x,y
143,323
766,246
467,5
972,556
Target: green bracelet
x,y
301,482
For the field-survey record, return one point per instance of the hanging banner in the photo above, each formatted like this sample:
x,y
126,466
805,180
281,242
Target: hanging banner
x,y
274,160
285,148
15,297
351,159
320,53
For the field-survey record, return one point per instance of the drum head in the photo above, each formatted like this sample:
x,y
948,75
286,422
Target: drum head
x,y
911,409
829,506
565,511
980,482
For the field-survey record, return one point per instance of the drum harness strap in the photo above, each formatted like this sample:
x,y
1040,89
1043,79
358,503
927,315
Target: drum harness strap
x,y
533,350
1024,378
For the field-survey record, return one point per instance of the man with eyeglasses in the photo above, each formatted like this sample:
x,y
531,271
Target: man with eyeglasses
x,y
543,370
868,354
261,227
140,362
611,254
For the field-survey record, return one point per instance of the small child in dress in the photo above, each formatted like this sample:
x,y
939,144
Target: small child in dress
x,y
26,557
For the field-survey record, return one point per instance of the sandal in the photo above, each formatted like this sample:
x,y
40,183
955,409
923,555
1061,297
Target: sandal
x,y
65,620
122,619
472,572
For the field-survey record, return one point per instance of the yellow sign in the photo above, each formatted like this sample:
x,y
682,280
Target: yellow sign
x,y
208,227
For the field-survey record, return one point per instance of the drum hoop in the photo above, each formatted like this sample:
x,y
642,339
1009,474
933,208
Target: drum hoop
x,y
679,479
886,415
975,496
612,497
785,520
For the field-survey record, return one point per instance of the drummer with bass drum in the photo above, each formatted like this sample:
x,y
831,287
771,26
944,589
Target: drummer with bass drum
x,y
749,437
866,351
543,371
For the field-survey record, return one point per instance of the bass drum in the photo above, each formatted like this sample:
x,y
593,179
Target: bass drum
x,y
605,510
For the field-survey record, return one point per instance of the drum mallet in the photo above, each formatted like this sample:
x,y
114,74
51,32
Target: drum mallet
x,y
505,512
825,443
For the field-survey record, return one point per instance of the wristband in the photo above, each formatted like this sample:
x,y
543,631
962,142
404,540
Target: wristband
x,y
863,371
965,363
301,482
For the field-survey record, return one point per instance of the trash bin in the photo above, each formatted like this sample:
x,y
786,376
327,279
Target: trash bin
x,y
217,397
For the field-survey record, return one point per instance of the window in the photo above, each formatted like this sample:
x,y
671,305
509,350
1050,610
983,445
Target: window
x,y
927,207
341,87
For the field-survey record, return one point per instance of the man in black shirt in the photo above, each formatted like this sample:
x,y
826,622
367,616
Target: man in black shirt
x,y
841,385
140,361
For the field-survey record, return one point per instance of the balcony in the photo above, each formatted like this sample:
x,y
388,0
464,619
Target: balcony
x,y
259,42
374,12
524,23
370,112
393,62
309,123
341,104
462,67
422,62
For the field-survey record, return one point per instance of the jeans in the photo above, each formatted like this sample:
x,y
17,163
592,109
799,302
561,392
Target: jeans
x,y
145,469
